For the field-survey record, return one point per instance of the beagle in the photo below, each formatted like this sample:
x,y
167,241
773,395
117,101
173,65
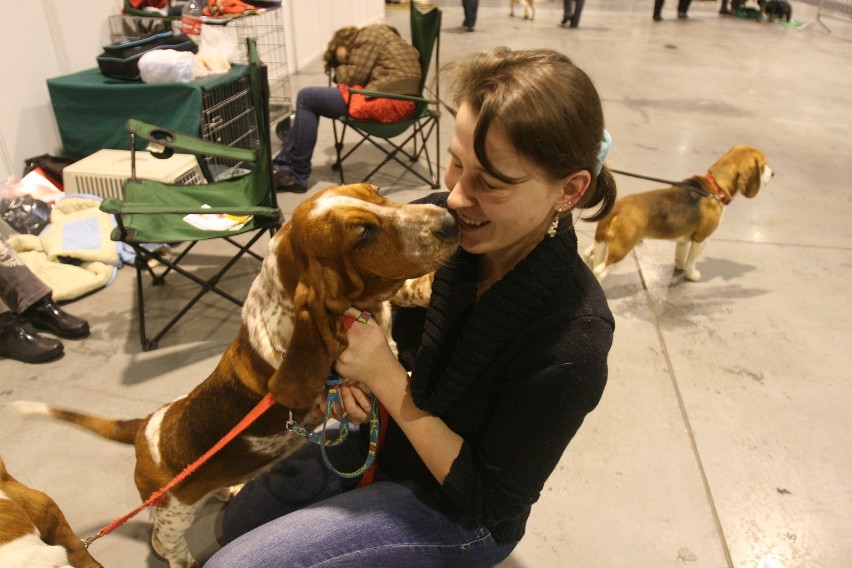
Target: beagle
x,y
34,532
528,5
344,247
677,213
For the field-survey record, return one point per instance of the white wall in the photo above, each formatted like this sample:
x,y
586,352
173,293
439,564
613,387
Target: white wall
x,y
48,38
314,21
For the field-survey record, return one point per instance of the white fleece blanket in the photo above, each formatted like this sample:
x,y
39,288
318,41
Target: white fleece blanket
x,y
73,254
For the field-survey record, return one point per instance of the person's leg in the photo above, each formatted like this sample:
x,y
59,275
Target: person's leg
x,y
575,19
295,482
19,287
298,150
384,524
470,9
567,10
32,299
658,10
683,8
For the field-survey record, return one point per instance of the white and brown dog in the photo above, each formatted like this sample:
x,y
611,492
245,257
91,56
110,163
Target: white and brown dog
x,y
345,247
528,6
33,531
676,213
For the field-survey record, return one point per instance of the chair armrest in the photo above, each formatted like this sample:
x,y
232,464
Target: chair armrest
x,y
381,95
117,206
186,143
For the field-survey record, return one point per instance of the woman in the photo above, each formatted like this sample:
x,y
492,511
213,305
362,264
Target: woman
x,y
506,362
373,57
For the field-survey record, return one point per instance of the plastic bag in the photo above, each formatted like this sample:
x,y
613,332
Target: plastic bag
x,y
166,66
25,214
217,48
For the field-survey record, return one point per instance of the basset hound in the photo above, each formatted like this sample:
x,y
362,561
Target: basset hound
x,y
33,531
344,247
676,213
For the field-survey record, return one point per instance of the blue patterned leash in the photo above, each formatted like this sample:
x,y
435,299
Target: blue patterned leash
x,y
320,438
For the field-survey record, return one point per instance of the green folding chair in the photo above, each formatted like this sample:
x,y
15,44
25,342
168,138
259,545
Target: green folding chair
x,y
426,38
152,213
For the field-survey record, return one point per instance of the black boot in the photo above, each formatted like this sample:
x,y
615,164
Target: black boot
x,y
19,344
46,315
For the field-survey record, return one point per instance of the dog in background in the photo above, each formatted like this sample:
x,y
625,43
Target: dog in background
x,y
780,9
33,531
677,213
528,6
344,247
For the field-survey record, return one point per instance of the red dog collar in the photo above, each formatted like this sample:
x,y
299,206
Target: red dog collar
x,y
723,197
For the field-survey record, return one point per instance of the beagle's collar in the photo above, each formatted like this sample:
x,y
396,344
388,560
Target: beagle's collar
x,y
722,196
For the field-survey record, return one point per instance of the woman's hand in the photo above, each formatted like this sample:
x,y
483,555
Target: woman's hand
x,y
356,402
368,359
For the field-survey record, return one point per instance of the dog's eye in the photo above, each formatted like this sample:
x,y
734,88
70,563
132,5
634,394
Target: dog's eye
x,y
365,232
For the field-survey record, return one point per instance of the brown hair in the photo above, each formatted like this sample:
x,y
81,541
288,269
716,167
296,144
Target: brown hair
x,y
341,38
549,109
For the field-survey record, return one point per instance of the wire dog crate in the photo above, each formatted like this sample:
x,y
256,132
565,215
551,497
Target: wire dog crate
x,y
227,117
266,27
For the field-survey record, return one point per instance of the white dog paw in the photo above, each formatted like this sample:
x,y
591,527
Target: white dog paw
x,y
692,275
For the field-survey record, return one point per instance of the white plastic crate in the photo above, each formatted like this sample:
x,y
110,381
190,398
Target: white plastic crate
x,y
104,172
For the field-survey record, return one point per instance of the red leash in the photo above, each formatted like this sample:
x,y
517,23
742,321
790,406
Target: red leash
x,y
265,404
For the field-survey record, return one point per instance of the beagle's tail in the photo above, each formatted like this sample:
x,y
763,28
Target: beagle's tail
x,y
123,431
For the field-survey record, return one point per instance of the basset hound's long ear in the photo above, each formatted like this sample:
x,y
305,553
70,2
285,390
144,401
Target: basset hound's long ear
x,y
749,183
318,338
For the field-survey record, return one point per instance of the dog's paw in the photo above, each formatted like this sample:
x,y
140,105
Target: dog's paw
x,y
225,494
692,275
601,271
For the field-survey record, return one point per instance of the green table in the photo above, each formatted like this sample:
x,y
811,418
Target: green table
x,y
91,109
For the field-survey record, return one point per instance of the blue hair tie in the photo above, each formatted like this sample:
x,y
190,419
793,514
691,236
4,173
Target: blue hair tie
x,y
604,150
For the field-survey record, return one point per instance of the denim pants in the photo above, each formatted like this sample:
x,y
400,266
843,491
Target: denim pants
x,y
298,149
301,515
19,287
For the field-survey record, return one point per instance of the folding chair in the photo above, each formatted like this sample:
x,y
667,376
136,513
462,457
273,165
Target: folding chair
x,y
152,212
426,38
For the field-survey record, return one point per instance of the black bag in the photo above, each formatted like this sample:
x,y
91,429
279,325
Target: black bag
x,y
121,61
51,166
25,214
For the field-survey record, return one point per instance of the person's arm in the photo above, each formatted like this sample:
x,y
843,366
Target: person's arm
x,y
370,361
360,61
533,415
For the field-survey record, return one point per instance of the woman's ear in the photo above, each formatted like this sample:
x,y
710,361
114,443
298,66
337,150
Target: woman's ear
x,y
574,185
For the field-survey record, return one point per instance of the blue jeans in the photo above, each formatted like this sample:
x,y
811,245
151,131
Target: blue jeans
x,y
301,515
298,149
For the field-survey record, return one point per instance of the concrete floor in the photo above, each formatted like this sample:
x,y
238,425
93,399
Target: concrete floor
x,y
723,436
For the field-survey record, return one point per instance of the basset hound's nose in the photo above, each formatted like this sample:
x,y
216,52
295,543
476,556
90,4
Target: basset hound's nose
x,y
449,227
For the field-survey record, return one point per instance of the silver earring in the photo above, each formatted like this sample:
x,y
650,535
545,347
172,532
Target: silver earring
x,y
554,224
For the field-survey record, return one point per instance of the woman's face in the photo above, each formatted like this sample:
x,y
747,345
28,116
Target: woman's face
x,y
498,219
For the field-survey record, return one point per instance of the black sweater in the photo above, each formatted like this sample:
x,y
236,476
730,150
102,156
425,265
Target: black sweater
x,y
514,374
